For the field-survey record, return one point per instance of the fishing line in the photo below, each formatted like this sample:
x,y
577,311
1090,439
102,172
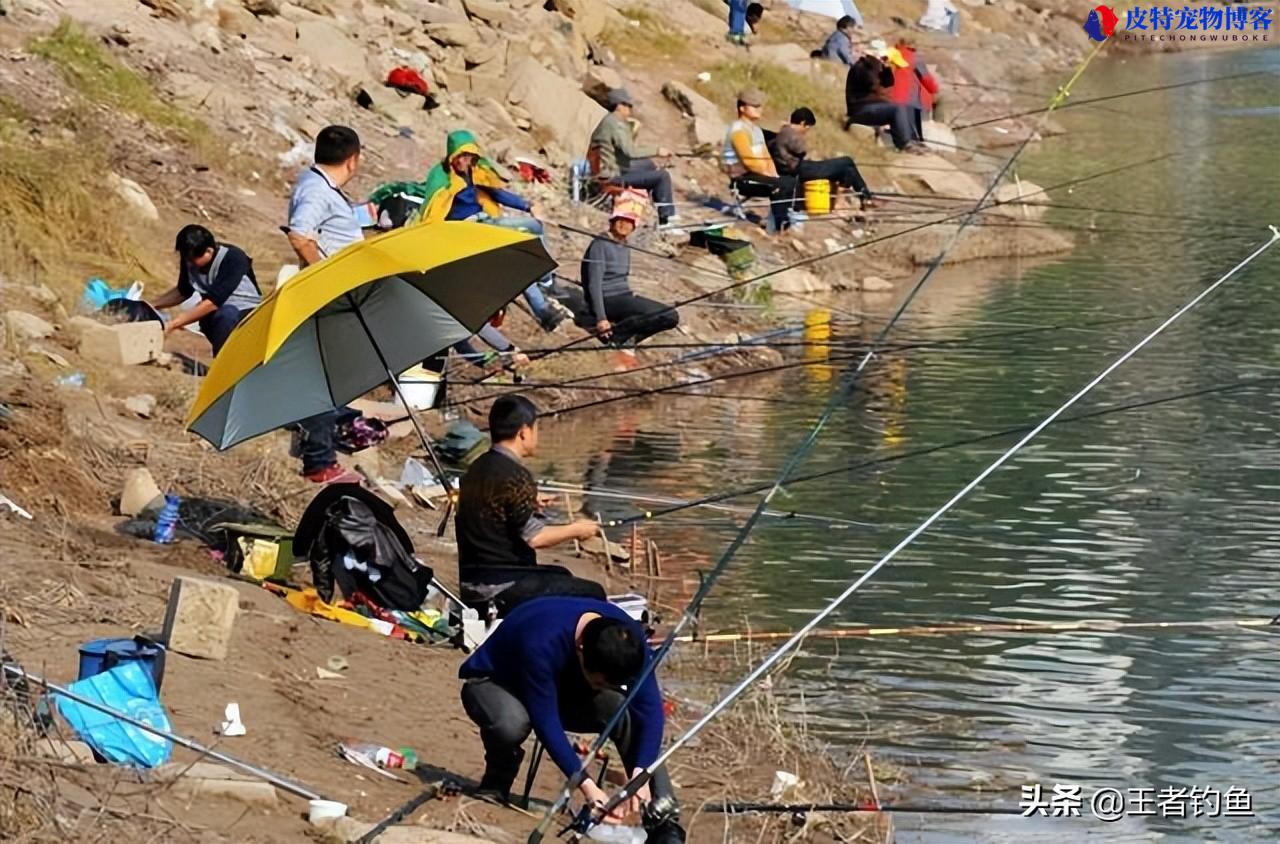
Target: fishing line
x,y
953,444
630,393
849,248
838,397
637,781
970,628
1110,97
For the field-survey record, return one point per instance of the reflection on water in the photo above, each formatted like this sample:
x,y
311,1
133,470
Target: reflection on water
x,y
1166,513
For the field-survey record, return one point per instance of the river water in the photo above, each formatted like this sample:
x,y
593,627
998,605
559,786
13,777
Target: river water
x,y
1167,513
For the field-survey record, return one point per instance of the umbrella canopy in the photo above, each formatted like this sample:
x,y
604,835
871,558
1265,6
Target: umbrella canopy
x,y
828,8
332,332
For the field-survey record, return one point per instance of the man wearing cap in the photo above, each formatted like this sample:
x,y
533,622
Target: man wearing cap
x,y
619,316
624,164
868,94
751,168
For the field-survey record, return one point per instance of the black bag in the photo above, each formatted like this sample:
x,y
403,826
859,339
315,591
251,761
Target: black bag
x,y
353,541
395,210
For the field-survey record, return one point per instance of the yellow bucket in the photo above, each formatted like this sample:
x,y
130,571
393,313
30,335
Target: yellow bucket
x,y
817,196
817,325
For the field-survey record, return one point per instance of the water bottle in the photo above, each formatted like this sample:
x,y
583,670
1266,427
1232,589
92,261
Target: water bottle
x,y
167,522
617,834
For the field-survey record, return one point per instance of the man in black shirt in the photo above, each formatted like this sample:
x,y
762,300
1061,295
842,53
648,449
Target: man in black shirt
x,y
222,275
498,525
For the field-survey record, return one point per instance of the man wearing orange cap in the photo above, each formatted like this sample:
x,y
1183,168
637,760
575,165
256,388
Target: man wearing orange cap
x,y
620,317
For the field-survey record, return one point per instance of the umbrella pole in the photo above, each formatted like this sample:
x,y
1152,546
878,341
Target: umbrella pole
x,y
422,435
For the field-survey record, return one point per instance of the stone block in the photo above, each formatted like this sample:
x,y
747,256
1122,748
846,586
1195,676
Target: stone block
x,y
138,493
708,126
454,34
200,617
123,344
555,104
599,81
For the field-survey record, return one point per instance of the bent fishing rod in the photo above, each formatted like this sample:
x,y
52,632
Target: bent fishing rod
x,y
639,780
804,262
848,382
850,468
1109,97
802,809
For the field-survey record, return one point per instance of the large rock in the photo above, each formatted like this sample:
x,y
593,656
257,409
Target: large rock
x,y
555,104
798,281
431,12
599,81
132,193
939,176
708,126
454,34
328,47
1013,192
262,8
560,47
591,16
496,14
20,326
939,136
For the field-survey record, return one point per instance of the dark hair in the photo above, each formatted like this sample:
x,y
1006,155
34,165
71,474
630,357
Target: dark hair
x,y
846,22
612,648
803,117
335,144
508,415
193,241
755,10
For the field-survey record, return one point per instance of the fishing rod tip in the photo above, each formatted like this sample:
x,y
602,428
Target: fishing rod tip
x,y
1275,233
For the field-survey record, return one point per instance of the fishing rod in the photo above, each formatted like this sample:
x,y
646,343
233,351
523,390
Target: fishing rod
x,y
1187,218
1110,97
802,809
623,495
804,262
838,397
889,349
848,468
1095,625
643,777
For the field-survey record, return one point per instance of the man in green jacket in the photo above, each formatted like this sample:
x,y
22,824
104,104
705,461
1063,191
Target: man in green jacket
x,y
623,163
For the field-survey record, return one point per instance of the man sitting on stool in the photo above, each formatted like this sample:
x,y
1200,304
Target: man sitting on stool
x,y
223,276
498,526
558,664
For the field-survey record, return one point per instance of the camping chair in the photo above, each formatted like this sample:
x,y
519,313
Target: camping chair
x,y
535,761
597,190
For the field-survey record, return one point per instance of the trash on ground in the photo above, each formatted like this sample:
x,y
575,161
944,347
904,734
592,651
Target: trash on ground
x,y
128,690
323,811
232,725
7,502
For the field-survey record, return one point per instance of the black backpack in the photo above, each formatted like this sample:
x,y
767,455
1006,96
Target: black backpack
x,y
352,540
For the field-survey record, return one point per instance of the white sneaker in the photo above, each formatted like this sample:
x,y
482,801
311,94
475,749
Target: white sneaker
x,y
672,222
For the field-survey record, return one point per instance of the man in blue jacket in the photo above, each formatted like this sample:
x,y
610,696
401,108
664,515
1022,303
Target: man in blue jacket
x,y
560,664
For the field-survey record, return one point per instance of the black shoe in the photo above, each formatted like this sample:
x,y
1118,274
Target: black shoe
x,y
499,775
552,320
667,832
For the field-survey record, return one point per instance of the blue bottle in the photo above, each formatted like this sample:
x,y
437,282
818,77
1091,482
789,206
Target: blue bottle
x,y
167,523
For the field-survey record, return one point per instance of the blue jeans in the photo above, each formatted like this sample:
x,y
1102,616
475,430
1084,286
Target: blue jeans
x,y
533,293
217,326
737,17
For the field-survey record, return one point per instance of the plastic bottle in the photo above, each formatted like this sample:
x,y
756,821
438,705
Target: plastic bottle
x,y
385,757
167,523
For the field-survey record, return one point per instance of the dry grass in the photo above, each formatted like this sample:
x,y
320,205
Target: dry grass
x,y
55,218
90,69
652,39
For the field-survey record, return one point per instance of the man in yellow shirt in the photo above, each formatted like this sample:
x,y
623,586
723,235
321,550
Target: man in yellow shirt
x,y
748,162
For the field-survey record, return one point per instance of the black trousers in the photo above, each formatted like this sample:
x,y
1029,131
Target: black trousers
x,y
504,725
897,117
646,175
217,326
841,170
781,191
634,319
527,583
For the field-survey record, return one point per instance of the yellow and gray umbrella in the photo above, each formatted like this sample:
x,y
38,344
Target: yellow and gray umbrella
x,y
354,321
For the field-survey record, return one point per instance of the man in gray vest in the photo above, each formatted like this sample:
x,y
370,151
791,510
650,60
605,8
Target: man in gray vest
x,y
222,275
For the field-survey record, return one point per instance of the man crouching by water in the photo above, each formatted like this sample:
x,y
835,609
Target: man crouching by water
x,y
557,664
